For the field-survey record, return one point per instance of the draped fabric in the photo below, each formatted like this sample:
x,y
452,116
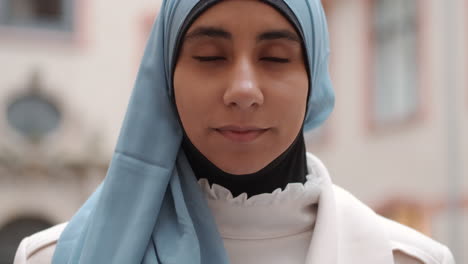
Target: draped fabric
x,y
149,208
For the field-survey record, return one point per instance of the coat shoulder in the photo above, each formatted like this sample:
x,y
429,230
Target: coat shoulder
x,y
39,248
408,245
412,245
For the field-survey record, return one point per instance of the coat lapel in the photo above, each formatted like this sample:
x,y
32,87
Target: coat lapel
x,y
362,236
346,231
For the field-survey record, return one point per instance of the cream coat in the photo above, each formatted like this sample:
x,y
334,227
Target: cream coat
x,y
345,231
365,239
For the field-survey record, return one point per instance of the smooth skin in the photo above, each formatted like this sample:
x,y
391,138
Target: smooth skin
x,y
241,85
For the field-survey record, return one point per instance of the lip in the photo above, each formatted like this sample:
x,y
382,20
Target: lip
x,y
241,134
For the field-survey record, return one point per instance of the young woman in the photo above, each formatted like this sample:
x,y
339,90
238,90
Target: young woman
x,y
211,166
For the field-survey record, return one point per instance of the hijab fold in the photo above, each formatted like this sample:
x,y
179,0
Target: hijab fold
x,y
149,208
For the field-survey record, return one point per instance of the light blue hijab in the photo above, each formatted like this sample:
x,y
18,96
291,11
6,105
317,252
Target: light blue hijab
x,y
149,208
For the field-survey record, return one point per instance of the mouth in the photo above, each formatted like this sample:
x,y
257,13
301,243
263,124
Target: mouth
x,y
241,134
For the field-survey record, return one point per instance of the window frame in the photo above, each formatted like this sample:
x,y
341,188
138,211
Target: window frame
x,y
422,85
67,23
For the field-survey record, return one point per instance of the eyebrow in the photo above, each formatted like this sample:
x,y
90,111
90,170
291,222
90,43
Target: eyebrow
x,y
213,32
217,32
278,34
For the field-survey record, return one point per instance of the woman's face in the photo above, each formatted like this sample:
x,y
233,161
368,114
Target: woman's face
x,y
241,85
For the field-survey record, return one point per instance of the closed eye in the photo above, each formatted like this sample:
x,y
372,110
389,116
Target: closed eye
x,y
275,59
209,58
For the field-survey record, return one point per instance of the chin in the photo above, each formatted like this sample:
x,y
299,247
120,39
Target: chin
x,y
242,171
241,166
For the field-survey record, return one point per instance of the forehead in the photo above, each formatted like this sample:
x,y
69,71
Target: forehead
x,y
242,15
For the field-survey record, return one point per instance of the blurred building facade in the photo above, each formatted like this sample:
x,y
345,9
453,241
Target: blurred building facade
x,y
67,70
387,140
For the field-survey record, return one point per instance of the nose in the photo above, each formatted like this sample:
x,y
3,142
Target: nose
x,y
243,90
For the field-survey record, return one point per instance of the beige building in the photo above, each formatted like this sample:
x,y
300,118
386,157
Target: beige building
x,y
387,140
68,67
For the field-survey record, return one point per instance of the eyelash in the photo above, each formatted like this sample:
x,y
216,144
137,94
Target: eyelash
x,y
218,58
275,59
209,58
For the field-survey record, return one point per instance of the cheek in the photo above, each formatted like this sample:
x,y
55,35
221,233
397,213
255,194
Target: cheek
x,y
295,109
192,99
182,95
291,100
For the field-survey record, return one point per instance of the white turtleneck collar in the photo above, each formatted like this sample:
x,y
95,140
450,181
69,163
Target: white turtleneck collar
x,y
264,216
270,228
